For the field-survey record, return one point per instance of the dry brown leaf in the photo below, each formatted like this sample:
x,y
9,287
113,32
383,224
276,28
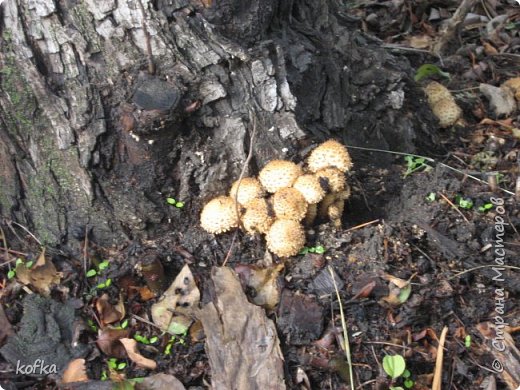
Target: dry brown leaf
x,y
75,372
265,282
401,283
420,41
173,311
134,355
42,275
108,314
109,341
489,49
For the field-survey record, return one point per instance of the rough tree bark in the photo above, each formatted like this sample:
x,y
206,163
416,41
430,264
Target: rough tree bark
x,y
107,107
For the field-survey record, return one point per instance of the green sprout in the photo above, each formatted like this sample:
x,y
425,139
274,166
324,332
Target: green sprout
x,y
428,70
394,365
463,203
92,325
408,382
115,365
11,274
313,249
414,164
467,341
175,203
485,207
103,265
432,196
104,375
91,273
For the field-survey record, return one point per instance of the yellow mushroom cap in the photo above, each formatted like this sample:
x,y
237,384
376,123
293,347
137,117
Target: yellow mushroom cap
x,y
329,154
219,215
257,217
289,203
436,92
447,111
250,188
310,188
514,85
332,179
285,238
278,174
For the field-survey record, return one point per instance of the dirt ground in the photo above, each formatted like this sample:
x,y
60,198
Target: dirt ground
x,y
417,253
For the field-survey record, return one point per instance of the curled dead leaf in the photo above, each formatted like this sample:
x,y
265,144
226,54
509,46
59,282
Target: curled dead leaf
x,y
173,311
108,313
109,341
134,355
42,275
75,372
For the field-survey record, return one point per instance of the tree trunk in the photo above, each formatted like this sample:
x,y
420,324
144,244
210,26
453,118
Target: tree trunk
x,y
108,107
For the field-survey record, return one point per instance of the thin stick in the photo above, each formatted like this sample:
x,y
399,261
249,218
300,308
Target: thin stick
x,y
430,160
346,345
5,246
451,26
27,231
437,377
242,173
454,207
362,225
480,267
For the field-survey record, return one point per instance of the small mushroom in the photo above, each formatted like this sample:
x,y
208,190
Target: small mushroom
x,y
285,238
309,186
331,153
289,203
250,188
278,174
332,179
447,111
219,215
435,92
257,217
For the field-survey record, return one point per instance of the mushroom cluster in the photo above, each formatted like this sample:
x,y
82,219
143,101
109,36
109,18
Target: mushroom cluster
x,y
442,104
284,198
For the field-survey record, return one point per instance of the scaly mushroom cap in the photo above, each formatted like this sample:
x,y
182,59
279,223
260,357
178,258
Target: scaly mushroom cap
x,y
447,111
436,92
331,179
285,238
257,217
289,203
219,215
310,188
514,85
329,154
250,188
278,174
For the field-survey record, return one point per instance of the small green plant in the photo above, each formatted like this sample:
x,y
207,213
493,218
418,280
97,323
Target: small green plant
x,y
485,207
394,365
11,274
432,196
463,203
414,164
313,249
19,261
115,365
467,341
180,340
173,202
428,70
408,382
92,325
145,340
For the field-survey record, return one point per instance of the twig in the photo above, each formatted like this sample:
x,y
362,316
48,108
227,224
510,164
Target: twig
x,y
437,377
242,173
149,55
429,159
453,206
480,267
27,231
346,345
362,225
4,240
451,26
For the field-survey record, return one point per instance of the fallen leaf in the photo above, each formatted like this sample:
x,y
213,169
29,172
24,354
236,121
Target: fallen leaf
x,y
420,41
160,382
42,275
173,311
75,372
108,314
109,341
134,355
264,281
